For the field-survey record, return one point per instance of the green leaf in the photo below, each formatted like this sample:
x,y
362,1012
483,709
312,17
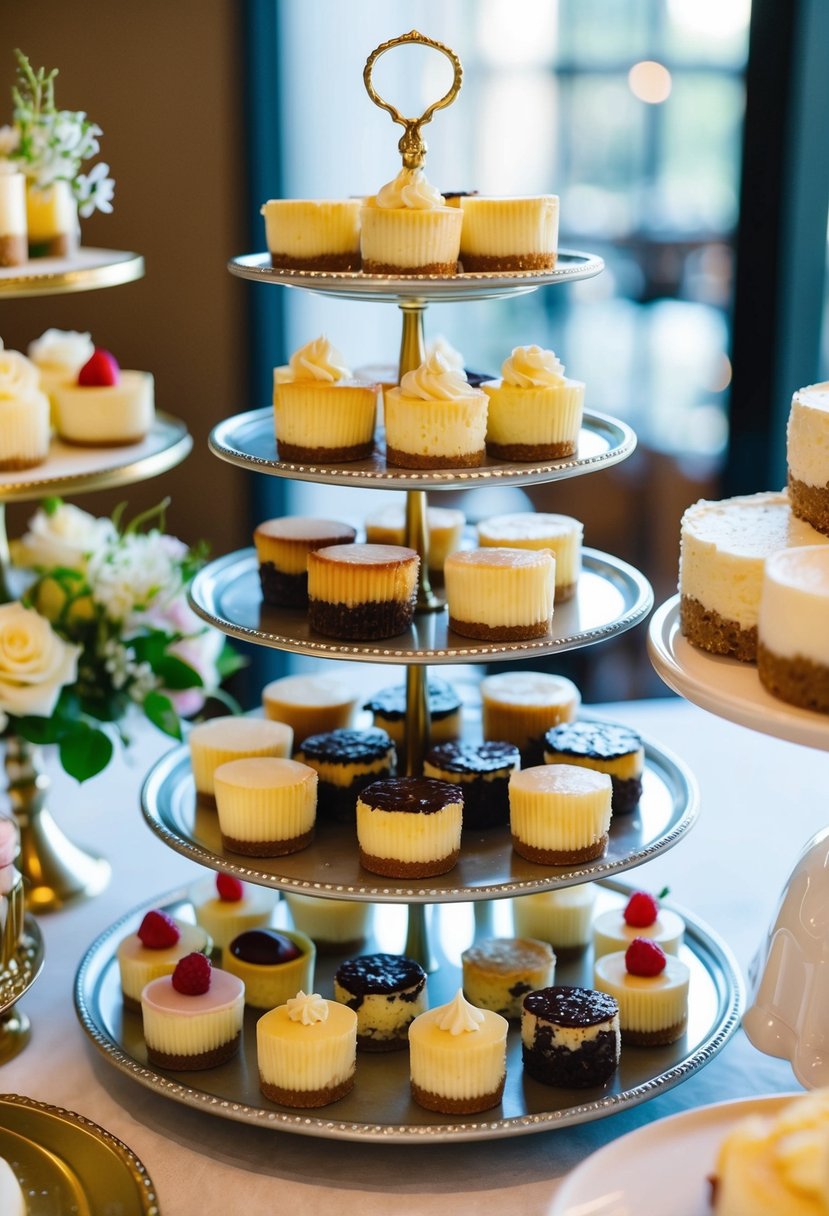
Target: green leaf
x,y
229,662
50,505
84,751
176,674
38,730
159,709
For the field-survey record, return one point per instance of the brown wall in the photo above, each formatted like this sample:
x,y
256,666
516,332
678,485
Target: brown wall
x,y
162,78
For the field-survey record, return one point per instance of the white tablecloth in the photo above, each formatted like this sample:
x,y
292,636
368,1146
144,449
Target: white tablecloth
x,y
761,800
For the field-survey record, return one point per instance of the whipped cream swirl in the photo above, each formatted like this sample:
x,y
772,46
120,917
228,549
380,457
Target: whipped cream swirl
x,y
410,189
532,367
459,1017
436,380
18,376
307,1008
440,346
62,348
318,360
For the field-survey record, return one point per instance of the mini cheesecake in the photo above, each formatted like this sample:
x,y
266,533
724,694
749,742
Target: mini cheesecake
x,y
653,1008
387,992
444,531
282,548
409,827
406,229
388,709
559,814
561,534
482,770
362,591
337,926
24,413
807,451
273,964
226,907
793,628
104,409
723,550
322,414
562,918
606,748
59,355
457,1056
570,1037
435,419
313,234
306,1051
267,807
14,249
508,234
613,932
346,762
186,1030
140,962
232,737
535,412
499,972
311,704
500,595
521,706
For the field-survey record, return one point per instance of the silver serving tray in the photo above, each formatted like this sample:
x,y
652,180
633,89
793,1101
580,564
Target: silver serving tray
x,y
247,440
487,868
380,1108
426,288
611,597
69,469
726,687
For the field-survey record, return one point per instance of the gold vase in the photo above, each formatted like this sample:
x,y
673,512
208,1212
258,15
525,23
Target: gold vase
x,y
55,871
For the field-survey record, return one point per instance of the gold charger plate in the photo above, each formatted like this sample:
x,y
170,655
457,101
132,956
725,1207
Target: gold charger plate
x,y
67,1164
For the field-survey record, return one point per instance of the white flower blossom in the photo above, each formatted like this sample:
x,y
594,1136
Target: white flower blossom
x,y
131,575
65,537
94,190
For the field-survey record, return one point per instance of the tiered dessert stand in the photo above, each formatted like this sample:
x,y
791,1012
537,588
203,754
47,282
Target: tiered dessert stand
x,y
55,870
612,597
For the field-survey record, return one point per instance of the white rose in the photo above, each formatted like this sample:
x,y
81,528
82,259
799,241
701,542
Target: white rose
x,y
34,662
127,577
67,537
18,375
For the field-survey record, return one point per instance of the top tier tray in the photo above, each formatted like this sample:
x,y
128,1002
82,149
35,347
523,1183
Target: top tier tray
x,y
73,470
86,270
726,687
425,288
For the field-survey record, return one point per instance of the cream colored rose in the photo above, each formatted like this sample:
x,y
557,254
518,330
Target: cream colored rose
x,y
65,537
18,376
34,662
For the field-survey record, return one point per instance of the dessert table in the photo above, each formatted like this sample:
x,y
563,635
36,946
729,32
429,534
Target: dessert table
x,y
761,799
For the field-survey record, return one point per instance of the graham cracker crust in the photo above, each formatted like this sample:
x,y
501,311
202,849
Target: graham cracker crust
x,y
499,633
202,1059
416,460
299,455
14,250
327,261
510,261
524,452
565,592
810,503
306,1099
268,848
370,267
389,867
560,857
798,681
361,622
283,590
705,628
17,463
654,1038
206,800
457,1106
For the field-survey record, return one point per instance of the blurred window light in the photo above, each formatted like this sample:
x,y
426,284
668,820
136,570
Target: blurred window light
x,y
650,81
523,32
711,18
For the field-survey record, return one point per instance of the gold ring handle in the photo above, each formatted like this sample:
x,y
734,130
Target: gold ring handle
x,y
412,145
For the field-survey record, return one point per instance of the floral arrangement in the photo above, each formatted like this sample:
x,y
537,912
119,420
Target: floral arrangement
x,y
50,145
104,626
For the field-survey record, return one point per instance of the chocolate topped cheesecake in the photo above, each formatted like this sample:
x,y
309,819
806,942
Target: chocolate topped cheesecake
x,y
347,761
606,748
388,707
362,591
570,1036
282,548
387,992
483,771
409,827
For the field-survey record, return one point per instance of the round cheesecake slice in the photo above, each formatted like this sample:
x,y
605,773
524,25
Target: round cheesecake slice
x,y
559,814
562,918
498,972
793,630
138,964
362,591
500,595
457,1058
226,909
306,1051
409,827
282,548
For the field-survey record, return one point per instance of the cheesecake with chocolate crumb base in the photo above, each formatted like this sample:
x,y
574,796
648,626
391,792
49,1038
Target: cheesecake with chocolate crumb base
x,y
362,591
